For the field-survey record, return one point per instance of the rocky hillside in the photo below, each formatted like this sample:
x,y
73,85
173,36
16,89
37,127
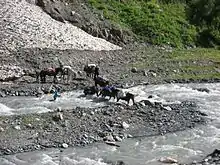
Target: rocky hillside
x,y
24,25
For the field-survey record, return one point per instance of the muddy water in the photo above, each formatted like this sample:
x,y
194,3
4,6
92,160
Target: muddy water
x,y
183,146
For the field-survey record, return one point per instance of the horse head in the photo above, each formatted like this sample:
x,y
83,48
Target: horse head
x,y
59,69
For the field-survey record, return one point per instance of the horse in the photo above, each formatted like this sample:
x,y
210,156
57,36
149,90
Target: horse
x,y
127,97
109,91
49,72
91,91
69,73
92,70
101,81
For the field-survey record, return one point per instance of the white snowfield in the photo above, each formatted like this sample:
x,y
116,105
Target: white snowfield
x,y
27,25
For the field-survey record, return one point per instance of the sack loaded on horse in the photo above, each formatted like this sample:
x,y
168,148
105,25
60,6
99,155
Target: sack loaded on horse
x,y
92,70
68,73
49,72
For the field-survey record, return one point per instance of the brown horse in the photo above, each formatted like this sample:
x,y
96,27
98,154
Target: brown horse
x,y
127,97
101,81
91,70
49,72
110,91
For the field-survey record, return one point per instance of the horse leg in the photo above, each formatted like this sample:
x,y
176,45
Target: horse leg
x,y
128,101
133,100
68,78
55,79
41,78
44,79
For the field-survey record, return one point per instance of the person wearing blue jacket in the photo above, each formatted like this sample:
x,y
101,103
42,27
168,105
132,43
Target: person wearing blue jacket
x,y
56,93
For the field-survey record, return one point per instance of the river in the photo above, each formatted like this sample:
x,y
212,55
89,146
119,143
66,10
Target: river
x,y
184,146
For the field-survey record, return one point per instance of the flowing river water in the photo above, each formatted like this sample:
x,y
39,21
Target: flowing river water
x,y
184,146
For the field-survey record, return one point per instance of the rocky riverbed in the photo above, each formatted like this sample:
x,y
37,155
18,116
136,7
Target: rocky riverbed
x,y
30,44
84,126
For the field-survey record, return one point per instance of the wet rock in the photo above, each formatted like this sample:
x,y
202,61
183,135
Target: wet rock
x,y
108,128
64,145
147,102
202,90
125,125
109,138
129,136
59,109
17,127
117,138
2,129
168,160
29,125
152,73
111,143
2,94
134,70
58,116
167,108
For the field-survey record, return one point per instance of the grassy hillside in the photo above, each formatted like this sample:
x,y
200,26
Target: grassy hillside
x,y
194,64
152,22
178,23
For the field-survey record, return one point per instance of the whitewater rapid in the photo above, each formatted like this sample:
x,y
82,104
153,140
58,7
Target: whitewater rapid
x,y
184,146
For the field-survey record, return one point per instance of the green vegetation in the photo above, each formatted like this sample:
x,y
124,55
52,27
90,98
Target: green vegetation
x,y
178,23
206,16
199,63
150,21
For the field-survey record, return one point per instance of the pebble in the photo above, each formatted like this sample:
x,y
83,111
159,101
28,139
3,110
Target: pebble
x,y
125,125
64,145
17,127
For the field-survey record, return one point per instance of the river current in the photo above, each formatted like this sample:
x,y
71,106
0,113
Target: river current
x,y
184,146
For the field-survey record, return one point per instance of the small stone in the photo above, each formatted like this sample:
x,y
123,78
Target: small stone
x,y
167,108
17,127
29,125
129,136
2,129
111,143
109,138
125,125
134,70
64,145
168,160
117,138
58,116
59,109
153,74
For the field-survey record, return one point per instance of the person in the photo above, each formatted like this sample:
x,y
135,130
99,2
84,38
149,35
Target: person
x,y
56,93
96,73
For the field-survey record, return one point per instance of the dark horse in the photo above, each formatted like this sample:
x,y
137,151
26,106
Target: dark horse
x,y
49,72
91,70
109,91
101,81
91,91
127,97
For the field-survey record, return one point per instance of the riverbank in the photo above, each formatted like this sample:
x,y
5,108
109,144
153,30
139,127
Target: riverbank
x,y
84,126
